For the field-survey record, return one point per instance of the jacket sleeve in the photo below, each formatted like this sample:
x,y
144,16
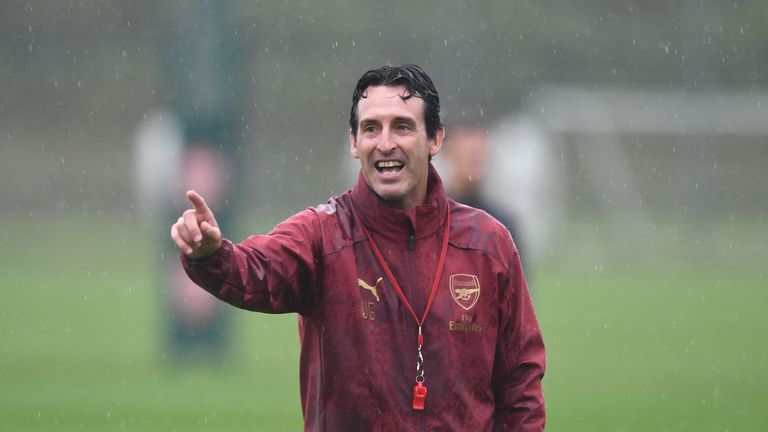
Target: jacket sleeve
x,y
273,273
520,357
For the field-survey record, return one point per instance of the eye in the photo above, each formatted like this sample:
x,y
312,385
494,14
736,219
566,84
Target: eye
x,y
403,128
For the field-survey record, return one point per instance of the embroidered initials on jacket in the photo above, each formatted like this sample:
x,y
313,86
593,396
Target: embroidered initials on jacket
x,y
368,311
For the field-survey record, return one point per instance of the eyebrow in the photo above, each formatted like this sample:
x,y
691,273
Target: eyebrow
x,y
400,119
397,119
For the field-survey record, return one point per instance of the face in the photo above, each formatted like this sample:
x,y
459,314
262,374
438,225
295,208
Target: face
x,y
393,147
466,154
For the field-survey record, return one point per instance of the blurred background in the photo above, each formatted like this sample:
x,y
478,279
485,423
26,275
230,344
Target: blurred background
x,y
626,144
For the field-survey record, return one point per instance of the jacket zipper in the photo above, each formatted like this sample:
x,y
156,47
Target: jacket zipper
x,y
421,415
411,237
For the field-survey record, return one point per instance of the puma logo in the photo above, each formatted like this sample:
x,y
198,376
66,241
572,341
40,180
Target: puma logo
x,y
364,285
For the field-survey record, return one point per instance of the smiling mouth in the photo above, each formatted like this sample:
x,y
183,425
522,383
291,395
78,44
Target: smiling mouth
x,y
389,167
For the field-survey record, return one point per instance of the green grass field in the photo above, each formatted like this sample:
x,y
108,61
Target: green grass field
x,y
673,343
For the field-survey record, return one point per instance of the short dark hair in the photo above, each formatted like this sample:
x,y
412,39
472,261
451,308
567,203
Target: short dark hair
x,y
417,83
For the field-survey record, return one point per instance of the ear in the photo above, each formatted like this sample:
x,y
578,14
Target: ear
x,y
437,143
353,145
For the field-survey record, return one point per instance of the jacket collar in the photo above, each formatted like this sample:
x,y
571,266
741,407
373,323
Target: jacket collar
x,y
393,223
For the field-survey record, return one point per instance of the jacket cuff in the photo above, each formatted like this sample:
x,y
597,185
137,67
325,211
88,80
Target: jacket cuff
x,y
214,260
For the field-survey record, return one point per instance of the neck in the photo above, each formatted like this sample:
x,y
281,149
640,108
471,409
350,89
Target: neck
x,y
404,204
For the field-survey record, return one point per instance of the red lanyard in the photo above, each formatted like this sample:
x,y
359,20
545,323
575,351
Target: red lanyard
x,y
419,390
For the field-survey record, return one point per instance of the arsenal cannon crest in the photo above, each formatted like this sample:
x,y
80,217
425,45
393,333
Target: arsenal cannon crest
x,y
465,290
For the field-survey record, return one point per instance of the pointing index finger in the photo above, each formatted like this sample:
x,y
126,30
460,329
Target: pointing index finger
x,y
198,202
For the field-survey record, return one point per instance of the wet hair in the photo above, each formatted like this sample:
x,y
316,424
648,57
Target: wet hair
x,y
417,83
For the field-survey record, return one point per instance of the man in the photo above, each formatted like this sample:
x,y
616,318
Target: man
x,y
385,274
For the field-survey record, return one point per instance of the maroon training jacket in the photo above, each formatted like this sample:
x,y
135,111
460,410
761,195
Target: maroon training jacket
x,y
483,351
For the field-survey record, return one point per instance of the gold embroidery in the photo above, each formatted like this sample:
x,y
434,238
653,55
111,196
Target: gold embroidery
x,y
464,293
465,325
465,290
364,285
368,312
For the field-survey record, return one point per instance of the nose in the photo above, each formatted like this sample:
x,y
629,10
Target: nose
x,y
386,142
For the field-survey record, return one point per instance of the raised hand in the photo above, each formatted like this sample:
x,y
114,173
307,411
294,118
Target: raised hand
x,y
196,232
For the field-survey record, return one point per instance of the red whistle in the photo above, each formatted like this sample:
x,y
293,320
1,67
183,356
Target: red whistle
x,y
419,395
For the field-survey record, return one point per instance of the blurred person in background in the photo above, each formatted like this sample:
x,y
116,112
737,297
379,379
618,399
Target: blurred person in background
x,y
389,272
465,159
193,139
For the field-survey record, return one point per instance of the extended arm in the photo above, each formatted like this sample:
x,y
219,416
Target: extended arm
x,y
274,273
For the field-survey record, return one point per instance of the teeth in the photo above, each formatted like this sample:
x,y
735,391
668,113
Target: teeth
x,y
389,164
